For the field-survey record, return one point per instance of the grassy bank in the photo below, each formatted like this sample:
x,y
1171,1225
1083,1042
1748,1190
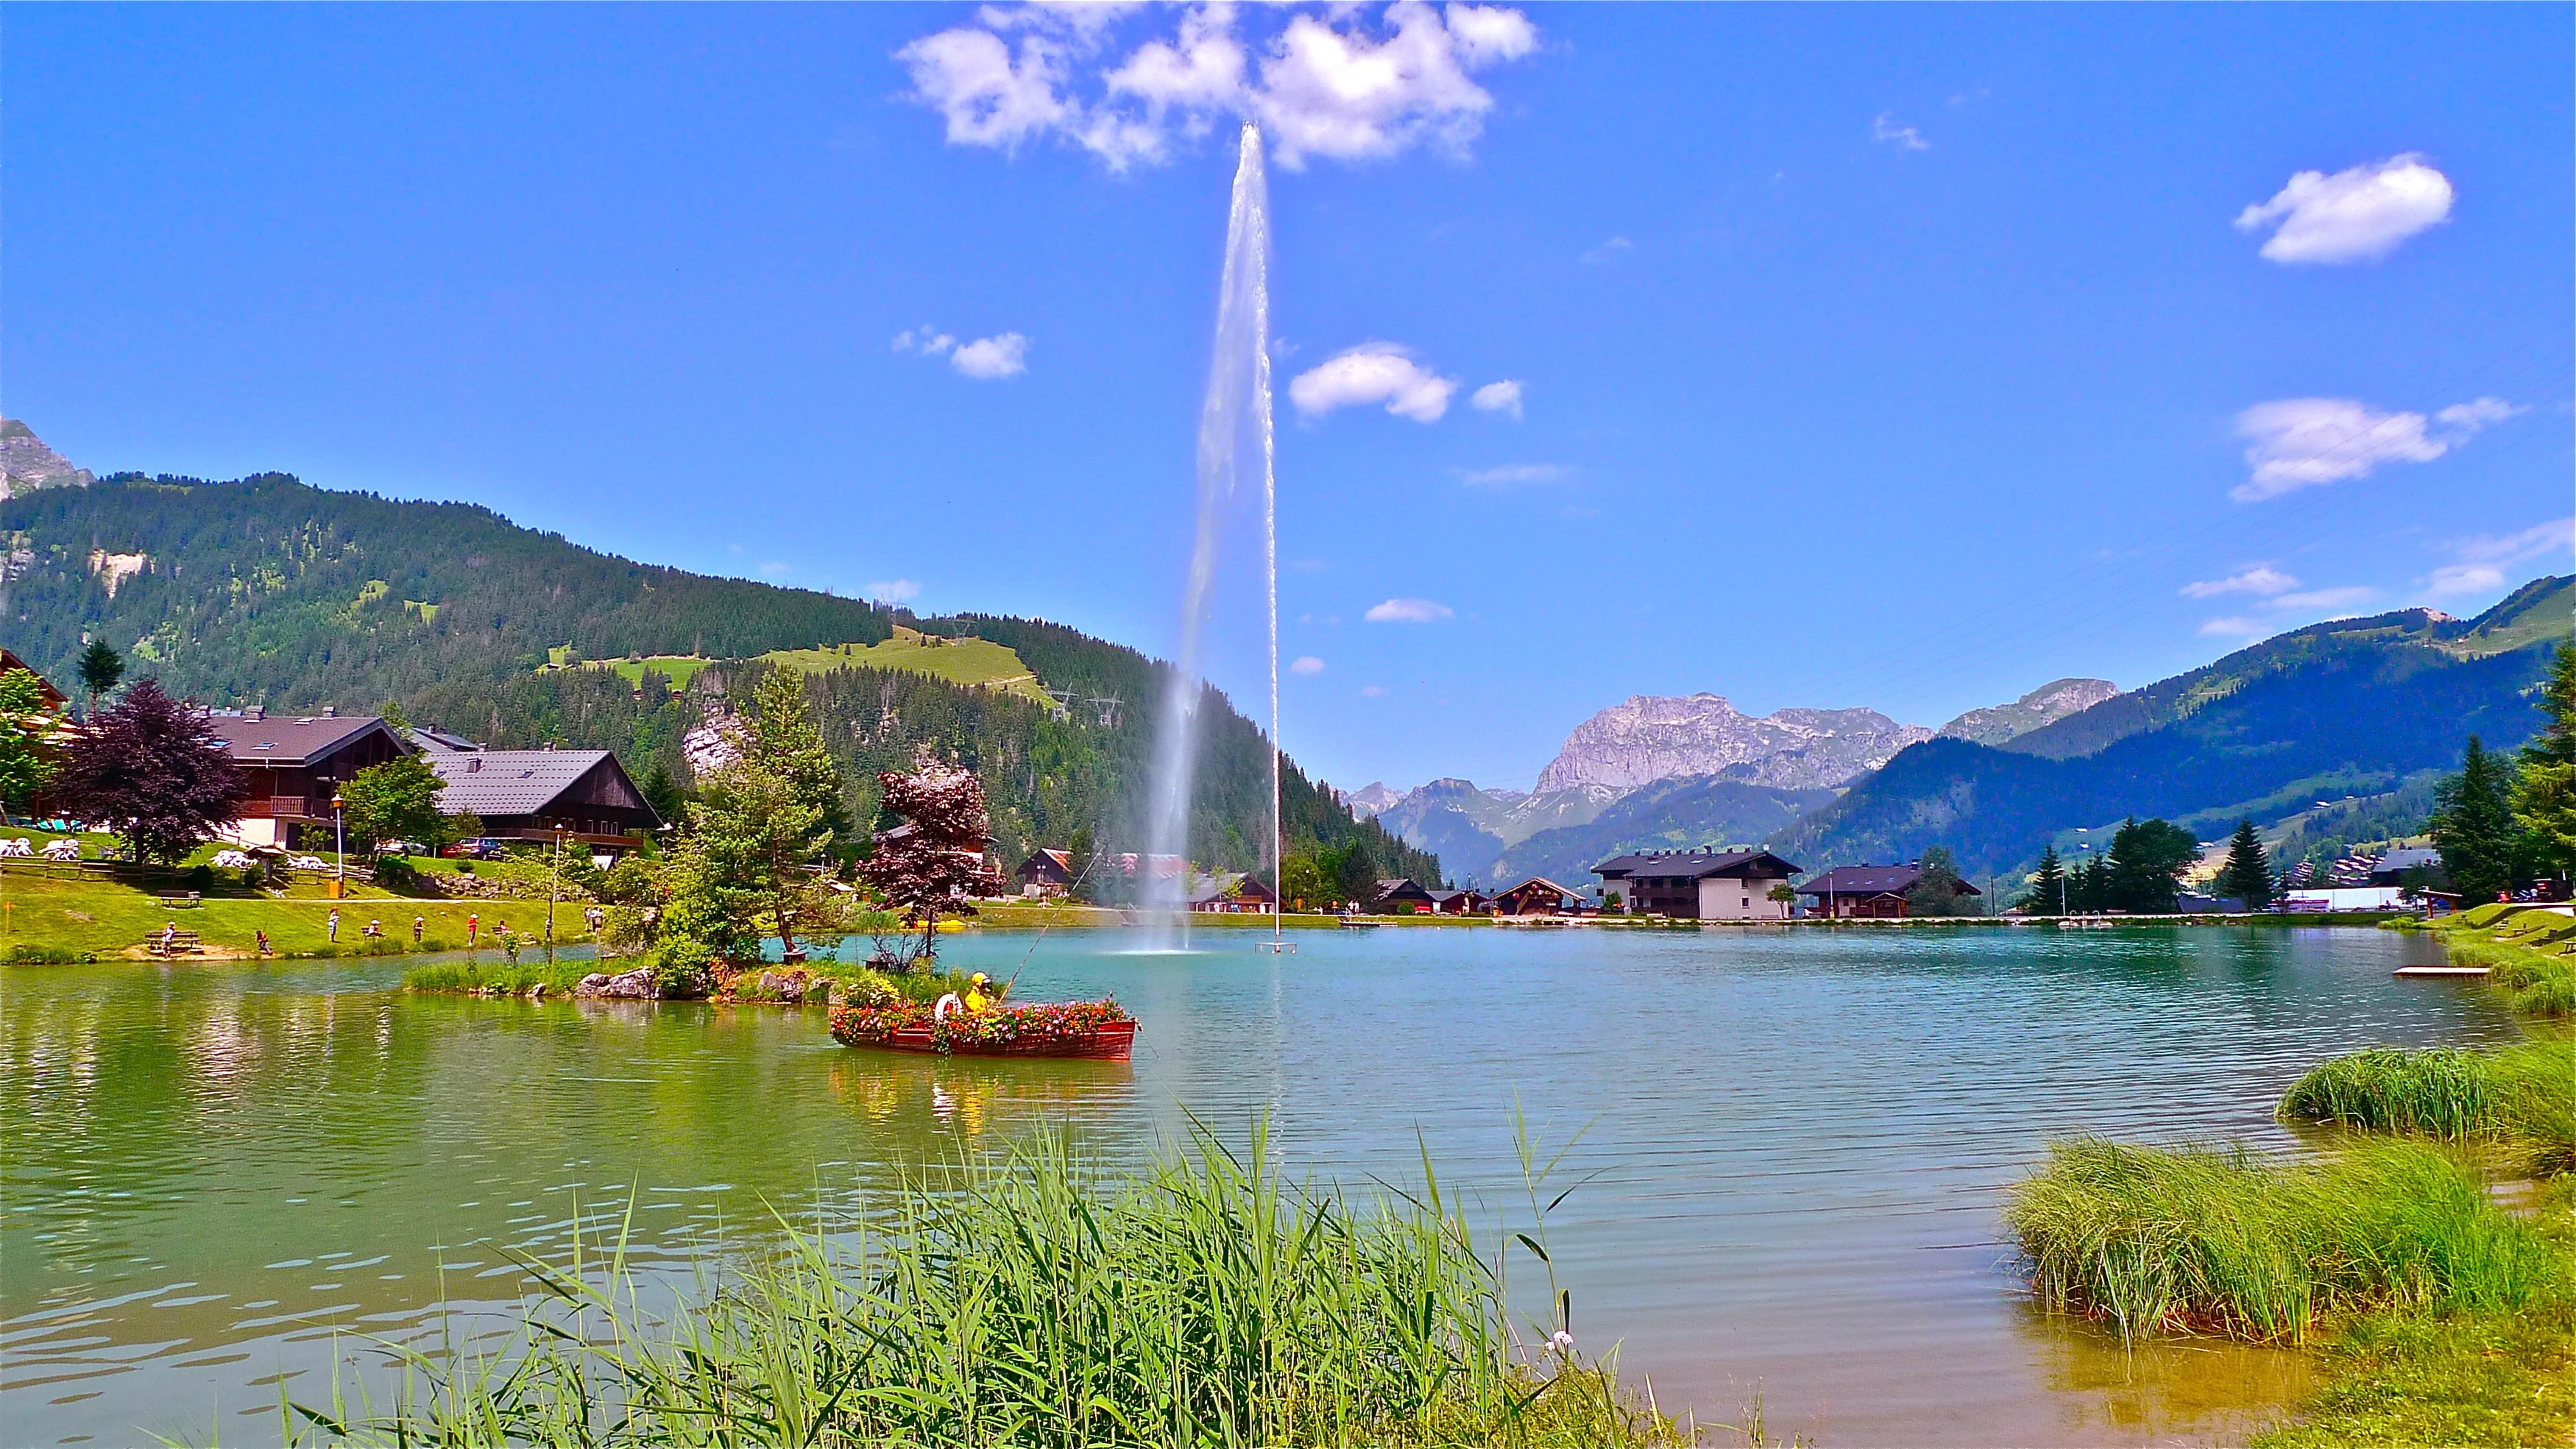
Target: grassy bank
x,y
2522,1099
1029,1302
2530,952
500,977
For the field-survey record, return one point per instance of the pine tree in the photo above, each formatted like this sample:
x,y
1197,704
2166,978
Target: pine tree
x,y
2473,826
2247,875
2146,858
2047,893
100,668
2544,794
1935,891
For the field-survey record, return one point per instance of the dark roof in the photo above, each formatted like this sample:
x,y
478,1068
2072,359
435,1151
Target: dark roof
x,y
274,741
1872,880
1538,880
429,737
2407,857
1696,864
508,782
1390,886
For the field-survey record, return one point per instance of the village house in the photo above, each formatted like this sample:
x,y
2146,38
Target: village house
x,y
1046,873
1398,896
1697,885
1867,892
53,697
1467,902
1538,896
532,795
1237,895
295,766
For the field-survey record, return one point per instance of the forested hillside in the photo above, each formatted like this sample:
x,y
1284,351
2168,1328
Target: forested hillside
x,y
2359,707
272,592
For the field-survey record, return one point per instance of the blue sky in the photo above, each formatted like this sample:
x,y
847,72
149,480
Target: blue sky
x,y
1906,357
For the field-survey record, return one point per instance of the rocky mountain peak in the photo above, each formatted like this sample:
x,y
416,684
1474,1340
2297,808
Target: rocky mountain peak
x,y
2045,705
1660,737
26,464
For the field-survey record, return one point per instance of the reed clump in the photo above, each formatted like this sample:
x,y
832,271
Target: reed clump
x,y
1029,1303
510,978
2218,1240
2523,1097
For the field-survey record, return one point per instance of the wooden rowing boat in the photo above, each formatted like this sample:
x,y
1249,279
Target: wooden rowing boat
x,y
1112,1042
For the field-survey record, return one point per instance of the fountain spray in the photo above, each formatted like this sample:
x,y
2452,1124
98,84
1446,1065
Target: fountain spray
x,y
1234,439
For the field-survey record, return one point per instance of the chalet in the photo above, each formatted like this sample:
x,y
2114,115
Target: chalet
x,y
1468,902
1046,873
1400,897
1867,892
295,767
531,795
1538,896
2414,865
53,697
1698,885
1243,895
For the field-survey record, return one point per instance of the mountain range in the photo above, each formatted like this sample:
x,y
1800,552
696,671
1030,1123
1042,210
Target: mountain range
x,y
1656,772
266,590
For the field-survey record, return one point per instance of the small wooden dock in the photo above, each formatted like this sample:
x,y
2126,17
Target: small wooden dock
x,y
2440,971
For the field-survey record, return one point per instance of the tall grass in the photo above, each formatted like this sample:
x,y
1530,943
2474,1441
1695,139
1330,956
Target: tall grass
x,y
1028,1303
502,976
2524,1095
2202,1239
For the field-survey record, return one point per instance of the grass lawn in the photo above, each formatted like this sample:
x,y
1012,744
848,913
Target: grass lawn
x,y
975,663
108,918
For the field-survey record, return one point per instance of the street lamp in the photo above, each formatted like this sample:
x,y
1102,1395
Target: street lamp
x,y
554,889
340,848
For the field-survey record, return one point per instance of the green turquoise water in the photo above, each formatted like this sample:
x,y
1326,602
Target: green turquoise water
x,y
217,1177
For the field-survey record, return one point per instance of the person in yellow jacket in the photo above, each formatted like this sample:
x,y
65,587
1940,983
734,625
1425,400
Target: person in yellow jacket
x,y
976,1001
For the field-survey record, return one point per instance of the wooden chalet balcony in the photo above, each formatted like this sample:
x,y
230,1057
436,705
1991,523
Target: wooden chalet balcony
x,y
280,807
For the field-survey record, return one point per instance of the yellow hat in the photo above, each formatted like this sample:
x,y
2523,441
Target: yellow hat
x,y
977,978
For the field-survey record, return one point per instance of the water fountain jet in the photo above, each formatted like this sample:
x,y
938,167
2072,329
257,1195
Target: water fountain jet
x,y
1235,443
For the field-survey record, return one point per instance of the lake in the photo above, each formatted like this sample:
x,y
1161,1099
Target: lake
x,y
1793,1144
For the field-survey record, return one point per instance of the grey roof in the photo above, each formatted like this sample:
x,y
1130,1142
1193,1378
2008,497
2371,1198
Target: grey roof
x,y
2408,857
1872,880
1694,864
429,737
276,741
508,782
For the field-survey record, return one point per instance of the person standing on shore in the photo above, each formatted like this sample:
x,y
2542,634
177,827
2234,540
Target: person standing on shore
x,y
418,925
262,937
473,923
334,925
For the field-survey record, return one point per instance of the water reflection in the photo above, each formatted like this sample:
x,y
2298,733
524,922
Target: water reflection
x,y
1794,1144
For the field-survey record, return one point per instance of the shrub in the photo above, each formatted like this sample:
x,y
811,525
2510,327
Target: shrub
x,y
34,955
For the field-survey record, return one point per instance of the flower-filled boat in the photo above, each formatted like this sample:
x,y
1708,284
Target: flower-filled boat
x,y
1057,1029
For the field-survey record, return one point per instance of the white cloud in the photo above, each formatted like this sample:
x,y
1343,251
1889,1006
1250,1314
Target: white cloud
x,y
1306,664
2482,561
988,358
2353,215
1511,473
2240,628
1499,397
892,591
1408,611
1883,127
1371,691
2260,579
925,338
988,97
1608,251
2338,598
1373,372
1333,85
2305,441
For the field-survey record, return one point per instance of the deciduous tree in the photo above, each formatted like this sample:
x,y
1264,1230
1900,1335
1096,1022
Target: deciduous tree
x,y
398,800
2147,859
1936,891
26,761
151,769
924,865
